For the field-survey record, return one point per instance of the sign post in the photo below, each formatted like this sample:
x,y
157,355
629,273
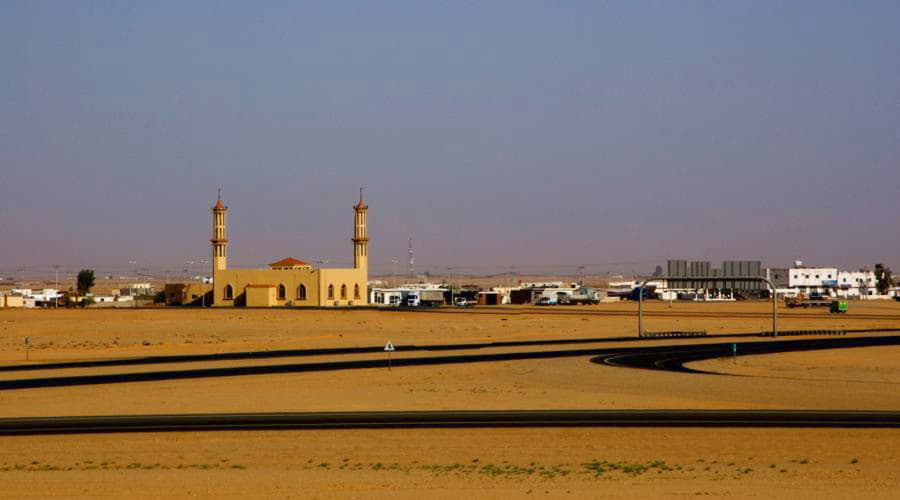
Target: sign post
x,y
27,345
389,348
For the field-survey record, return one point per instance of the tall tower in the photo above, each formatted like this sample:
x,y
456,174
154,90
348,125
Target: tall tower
x,y
219,240
360,236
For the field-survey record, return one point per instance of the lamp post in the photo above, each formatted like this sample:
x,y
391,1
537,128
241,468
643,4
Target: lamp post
x,y
450,283
56,293
202,291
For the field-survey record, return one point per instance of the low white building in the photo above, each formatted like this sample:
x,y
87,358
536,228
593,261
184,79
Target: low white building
x,y
46,295
856,284
412,294
809,279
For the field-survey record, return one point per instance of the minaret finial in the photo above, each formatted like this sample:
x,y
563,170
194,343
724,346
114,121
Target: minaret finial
x,y
361,204
219,205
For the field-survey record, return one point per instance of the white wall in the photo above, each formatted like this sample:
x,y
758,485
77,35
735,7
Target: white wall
x,y
811,277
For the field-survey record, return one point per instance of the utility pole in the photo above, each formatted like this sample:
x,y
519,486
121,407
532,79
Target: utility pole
x,y
580,275
412,268
202,290
395,262
190,272
450,283
56,293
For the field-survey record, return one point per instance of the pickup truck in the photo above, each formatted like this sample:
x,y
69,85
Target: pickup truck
x,y
463,302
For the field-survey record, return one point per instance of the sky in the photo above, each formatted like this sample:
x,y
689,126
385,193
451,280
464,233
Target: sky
x,y
613,135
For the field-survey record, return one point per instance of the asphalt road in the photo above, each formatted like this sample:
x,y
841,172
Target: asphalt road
x,y
674,358
670,358
292,353
445,419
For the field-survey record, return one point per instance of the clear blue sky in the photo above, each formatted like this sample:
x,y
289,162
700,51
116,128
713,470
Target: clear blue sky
x,y
496,133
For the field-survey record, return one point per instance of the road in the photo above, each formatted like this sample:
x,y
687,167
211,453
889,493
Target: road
x,y
446,419
669,357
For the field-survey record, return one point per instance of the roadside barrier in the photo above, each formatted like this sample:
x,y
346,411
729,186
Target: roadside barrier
x,y
674,334
805,332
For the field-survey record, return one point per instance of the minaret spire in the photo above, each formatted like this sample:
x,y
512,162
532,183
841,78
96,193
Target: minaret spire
x,y
360,235
220,239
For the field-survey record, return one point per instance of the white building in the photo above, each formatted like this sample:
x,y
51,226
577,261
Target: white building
x,y
411,294
809,279
856,284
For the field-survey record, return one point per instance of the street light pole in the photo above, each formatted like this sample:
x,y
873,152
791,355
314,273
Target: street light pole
x,y
450,283
56,293
203,263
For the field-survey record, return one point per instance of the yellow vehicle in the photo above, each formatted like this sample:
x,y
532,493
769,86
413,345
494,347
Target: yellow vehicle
x,y
801,300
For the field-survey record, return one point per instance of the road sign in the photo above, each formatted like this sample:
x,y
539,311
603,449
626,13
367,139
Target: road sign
x,y
389,347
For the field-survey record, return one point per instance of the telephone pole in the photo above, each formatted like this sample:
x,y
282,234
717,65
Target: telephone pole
x,y
412,266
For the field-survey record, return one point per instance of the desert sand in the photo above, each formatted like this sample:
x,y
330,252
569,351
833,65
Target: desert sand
x,y
484,463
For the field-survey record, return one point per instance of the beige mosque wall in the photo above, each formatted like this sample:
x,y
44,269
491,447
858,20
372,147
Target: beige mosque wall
x,y
291,279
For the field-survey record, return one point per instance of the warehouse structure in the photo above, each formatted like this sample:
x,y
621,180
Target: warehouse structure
x,y
700,275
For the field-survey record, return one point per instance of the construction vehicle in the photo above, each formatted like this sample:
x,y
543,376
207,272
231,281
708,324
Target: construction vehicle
x,y
801,300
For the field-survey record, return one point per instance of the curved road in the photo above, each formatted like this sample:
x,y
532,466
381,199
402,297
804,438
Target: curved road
x,y
670,357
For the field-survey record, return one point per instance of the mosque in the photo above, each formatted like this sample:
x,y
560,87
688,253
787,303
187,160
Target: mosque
x,y
289,282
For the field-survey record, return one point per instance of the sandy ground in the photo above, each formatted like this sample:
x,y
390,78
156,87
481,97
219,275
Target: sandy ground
x,y
483,463
867,365
495,463
81,334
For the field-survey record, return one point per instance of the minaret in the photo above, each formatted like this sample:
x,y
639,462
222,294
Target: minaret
x,y
360,236
220,239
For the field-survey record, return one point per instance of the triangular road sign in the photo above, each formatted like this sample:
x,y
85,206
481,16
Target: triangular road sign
x,y
389,347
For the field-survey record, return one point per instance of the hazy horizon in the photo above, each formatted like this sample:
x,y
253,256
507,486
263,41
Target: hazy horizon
x,y
506,134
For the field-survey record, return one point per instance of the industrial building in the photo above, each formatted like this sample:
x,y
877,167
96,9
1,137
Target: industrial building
x,y
722,282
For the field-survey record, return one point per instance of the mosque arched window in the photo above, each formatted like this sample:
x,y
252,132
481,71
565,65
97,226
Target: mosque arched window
x,y
282,292
330,291
356,291
301,292
343,291
229,292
